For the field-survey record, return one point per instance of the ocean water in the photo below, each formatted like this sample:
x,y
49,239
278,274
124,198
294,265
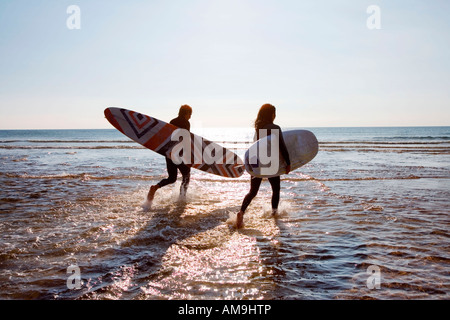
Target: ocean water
x,y
368,218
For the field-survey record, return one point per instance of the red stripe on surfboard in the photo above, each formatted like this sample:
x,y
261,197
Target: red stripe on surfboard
x,y
162,135
222,166
132,116
112,120
222,170
234,171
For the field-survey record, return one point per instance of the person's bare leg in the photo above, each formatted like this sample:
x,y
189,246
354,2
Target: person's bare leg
x,y
151,192
240,219
254,187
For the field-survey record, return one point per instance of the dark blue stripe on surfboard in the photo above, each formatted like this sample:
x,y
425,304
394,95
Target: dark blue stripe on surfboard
x,y
132,125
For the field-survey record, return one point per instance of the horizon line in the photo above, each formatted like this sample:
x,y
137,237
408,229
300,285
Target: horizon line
x,y
213,127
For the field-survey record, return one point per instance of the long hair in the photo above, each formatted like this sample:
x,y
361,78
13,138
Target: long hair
x,y
265,116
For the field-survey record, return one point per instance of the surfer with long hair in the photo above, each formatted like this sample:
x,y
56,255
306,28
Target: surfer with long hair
x,y
264,120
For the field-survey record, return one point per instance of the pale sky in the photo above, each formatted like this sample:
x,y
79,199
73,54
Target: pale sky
x,y
316,61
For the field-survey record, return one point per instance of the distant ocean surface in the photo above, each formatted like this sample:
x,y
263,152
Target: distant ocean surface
x,y
368,218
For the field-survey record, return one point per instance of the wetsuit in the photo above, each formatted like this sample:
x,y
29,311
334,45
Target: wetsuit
x,y
255,182
172,168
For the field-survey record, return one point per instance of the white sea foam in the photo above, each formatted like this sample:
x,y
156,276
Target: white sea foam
x,y
283,210
231,221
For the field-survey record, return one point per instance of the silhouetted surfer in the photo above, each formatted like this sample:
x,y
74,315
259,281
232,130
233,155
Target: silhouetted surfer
x,y
182,121
264,120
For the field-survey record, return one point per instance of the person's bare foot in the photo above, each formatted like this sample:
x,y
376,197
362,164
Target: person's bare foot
x,y
151,193
240,220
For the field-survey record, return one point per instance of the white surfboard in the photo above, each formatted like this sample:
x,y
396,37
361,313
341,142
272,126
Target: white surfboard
x,y
302,146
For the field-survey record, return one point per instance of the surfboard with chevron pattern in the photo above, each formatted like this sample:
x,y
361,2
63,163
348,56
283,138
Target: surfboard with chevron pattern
x,y
156,135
